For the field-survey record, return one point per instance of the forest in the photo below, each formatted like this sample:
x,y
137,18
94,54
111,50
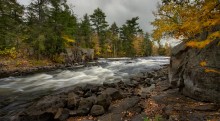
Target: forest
x,y
45,28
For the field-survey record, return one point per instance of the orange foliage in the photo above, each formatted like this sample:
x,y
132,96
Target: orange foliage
x,y
187,20
212,71
203,63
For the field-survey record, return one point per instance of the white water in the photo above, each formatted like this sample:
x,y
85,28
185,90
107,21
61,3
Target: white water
x,y
109,70
16,93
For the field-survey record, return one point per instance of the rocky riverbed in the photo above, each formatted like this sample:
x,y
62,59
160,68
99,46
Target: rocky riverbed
x,y
144,96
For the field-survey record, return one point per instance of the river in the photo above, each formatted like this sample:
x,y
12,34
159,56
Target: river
x,y
17,92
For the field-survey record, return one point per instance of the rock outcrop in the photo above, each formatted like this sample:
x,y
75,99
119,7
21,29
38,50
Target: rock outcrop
x,y
196,72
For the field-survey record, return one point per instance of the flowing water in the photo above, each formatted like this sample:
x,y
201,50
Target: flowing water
x,y
17,92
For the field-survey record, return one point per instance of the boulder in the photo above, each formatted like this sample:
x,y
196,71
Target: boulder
x,y
97,110
114,93
72,100
104,100
84,107
62,114
196,80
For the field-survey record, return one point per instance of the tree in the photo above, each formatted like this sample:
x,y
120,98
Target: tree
x,y
127,33
138,45
148,45
100,27
53,24
114,31
188,19
10,23
98,21
85,32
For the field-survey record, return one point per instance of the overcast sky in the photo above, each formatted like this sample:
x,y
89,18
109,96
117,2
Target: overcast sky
x,y
116,10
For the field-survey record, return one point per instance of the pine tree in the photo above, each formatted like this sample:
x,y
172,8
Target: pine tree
x,y
10,23
86,32
127,33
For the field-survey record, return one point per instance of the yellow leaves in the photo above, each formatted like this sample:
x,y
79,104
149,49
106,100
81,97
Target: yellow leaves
x,y
68,39
208,70
203,63
212,71
9,52
138,42
187,20
202,44
198,44
95,41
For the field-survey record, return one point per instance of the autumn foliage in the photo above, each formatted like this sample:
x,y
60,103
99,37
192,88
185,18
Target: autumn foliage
x,y
188,19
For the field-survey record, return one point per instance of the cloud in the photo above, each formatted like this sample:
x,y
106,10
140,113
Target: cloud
x,y
116,10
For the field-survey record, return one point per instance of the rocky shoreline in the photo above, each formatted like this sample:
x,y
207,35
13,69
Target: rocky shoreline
x,y
145,96
32,70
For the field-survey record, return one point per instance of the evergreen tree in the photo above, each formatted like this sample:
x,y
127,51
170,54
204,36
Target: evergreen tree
x,y
114,30
100,27
127,33
10,23
86,32
98,21
148,45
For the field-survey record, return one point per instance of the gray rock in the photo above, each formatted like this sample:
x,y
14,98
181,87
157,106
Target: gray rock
x,y
114,93
97,110
62,114
190,77
104,100
84,107
72,100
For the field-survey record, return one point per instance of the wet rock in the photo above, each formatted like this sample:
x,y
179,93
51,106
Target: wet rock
x,y
150,75
73,100
91,88
88,94
62,114
49,104
114,93
104,100
84,107
42,117
97,110
109,85
78,90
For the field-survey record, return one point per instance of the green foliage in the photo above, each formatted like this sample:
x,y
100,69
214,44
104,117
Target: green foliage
x,y
48,27
9,52
128,31
10,23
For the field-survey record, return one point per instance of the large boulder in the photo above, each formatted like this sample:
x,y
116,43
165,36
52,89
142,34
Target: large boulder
x,y
196,71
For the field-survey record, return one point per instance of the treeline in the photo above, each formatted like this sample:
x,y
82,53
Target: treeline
x,y
45,28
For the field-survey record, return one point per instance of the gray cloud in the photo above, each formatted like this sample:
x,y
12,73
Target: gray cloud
x,y
116,10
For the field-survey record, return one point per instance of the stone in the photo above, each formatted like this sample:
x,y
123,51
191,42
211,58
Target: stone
x,y
62,114
108,85
97,110
84,107
186,73
91,88
104,100
41,117
72,100
114,93
88,94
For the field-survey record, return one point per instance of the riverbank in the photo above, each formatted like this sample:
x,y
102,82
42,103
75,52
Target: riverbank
x,y
144,96
7,70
